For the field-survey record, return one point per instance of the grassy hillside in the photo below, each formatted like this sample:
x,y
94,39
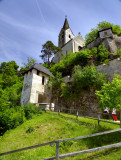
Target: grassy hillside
x,y
47,127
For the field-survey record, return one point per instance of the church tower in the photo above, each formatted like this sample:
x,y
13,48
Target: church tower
x,y
65,34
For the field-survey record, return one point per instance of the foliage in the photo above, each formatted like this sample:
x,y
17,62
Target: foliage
x,y
55,81
11,114
87,78
94,32
30,129
30,110
11,118
97,55
109,95
48,49
9,70
71,59
119,53
30,62
102,53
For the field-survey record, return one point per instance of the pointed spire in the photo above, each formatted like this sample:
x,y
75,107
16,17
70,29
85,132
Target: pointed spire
x,y
66,25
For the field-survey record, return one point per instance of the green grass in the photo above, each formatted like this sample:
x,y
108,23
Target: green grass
x,y
48,127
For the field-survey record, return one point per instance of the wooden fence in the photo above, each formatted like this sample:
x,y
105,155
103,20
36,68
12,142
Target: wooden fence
x,y
57,157
98,116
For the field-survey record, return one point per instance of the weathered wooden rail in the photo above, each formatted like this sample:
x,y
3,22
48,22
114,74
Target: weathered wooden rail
x,y
98,116
69,139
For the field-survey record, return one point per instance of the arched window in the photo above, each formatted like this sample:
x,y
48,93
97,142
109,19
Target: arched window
x,y
69,36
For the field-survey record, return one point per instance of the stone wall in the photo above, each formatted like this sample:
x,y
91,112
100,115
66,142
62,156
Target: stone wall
x,y
26,91
111,43
114,66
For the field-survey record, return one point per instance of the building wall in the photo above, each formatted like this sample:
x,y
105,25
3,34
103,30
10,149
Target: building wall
x,y
106,33
78,41
72,45
26,91
64,37
68,35
68,47
32,87
37,87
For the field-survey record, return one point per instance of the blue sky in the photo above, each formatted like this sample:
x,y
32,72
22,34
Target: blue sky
x,y
27,24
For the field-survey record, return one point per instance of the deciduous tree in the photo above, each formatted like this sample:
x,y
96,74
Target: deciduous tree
x,y
48,49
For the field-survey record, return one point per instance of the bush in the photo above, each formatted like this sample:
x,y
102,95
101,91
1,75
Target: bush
x,y
30,110
11,118
91,36
30,129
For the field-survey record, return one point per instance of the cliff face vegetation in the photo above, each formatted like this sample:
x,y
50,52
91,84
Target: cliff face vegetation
x,y
78,92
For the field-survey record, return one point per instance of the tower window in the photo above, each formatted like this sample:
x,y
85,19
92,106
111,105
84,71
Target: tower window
x,y
79,48
69,36
105,33
38,72
43,80
62,36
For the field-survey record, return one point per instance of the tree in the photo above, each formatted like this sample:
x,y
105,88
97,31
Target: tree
x,y
91,36
9,70
30,62
48,49
110,94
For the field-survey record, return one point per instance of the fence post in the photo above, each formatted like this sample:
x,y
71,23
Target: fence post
x,y
59,112
77,114
98,118
57,150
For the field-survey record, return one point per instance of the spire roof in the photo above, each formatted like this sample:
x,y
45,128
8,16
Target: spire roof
x,y
66,25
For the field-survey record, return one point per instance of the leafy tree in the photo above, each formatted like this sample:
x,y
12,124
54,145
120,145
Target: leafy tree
x,y
91,36
30,62
110,94
9,70
48,49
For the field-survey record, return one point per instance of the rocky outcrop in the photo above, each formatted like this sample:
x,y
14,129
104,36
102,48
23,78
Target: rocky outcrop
x,y
111,43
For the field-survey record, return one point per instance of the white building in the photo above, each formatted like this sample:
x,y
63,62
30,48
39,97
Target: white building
x,y
68,42
34,85
105,32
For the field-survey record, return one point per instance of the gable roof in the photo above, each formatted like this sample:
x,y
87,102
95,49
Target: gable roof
x,y
104,28
39,68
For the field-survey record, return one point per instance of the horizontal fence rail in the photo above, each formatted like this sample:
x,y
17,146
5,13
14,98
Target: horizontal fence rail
x,y
69,139
86,151
94,118
26,148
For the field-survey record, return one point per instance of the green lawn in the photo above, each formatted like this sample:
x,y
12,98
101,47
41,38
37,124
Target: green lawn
x,y
48,127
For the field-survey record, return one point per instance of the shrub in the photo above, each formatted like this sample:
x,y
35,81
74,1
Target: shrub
x,y
30,110
30,129
11,118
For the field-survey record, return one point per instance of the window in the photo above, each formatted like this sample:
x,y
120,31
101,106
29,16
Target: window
x,y
43,80
105,33
79,48
62,36
69,36
38,72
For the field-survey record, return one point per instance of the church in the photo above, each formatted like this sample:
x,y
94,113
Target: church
x,y
68,42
